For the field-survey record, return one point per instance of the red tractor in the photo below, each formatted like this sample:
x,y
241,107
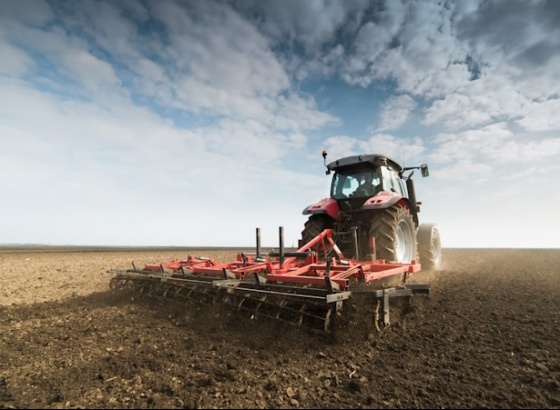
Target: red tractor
x,y
373,212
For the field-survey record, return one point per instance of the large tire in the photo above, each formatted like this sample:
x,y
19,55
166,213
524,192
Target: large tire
x,y
314,226
429,246
395,235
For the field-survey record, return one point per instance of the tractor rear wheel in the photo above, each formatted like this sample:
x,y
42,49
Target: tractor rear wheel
x,y
314,226
429,246
395,235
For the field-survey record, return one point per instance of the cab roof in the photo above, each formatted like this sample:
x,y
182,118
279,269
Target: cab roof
x,y
366,160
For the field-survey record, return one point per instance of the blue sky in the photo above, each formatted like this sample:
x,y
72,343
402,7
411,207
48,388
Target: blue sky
x,y
192,123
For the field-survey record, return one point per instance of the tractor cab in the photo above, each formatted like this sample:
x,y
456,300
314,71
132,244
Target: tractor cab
x,y
358,178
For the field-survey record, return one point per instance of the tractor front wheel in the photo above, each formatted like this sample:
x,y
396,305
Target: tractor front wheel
x,y
314,226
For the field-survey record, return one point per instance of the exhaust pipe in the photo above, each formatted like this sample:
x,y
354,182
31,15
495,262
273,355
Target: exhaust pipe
x,y
281,244
258,256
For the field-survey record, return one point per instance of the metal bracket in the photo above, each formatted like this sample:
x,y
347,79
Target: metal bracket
x,y
261,281
331,286
228,274
383,296
184,271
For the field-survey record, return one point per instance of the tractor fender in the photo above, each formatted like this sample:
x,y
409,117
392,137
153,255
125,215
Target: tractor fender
x,y
386,199
326,206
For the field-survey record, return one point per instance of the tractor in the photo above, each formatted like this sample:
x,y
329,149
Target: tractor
x,y
373,212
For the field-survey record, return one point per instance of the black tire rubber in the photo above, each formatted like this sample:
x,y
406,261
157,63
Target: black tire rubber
x,y
314,226
429,246
390,227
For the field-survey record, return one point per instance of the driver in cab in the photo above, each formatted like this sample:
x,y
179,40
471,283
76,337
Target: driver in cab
x,y
367,185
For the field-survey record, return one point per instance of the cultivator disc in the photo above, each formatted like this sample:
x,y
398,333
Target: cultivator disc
x,y
290,310
306,288
159,286
307,308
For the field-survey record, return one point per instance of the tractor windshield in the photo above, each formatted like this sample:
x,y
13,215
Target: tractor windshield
x,y
362,183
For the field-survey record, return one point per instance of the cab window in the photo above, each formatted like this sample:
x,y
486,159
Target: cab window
x,y
361,183
391,181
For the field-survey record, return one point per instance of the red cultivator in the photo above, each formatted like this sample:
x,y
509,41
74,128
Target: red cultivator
x,y
308,287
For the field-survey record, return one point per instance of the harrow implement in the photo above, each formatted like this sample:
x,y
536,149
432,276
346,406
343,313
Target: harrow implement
x,y
308,287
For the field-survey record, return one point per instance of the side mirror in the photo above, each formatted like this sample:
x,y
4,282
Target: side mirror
x,y
424,170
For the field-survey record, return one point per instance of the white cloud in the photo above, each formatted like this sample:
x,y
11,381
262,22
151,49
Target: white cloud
x,y
542,116
464,169
403,150
308,22
223,50
544,150
14,61
34,13
341,146
395,112
451,147
495,144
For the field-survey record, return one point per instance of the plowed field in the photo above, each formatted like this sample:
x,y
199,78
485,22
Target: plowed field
x,y
488,336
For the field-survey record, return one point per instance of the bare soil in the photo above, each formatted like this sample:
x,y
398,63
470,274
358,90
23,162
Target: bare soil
x,y
487,336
